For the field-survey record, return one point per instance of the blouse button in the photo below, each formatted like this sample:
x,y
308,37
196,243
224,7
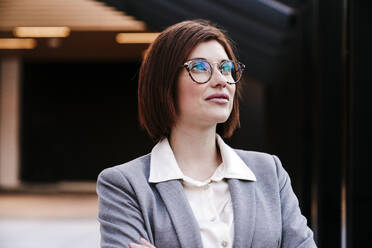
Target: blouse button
x,y
224,243
213,218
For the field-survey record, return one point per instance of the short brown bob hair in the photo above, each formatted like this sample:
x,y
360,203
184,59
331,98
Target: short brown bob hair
x,y
159,72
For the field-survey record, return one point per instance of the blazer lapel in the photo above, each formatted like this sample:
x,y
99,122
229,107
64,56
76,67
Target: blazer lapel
x,y
244,206
181,213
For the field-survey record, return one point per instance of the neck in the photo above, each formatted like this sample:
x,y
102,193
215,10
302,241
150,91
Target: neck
x,y
195,151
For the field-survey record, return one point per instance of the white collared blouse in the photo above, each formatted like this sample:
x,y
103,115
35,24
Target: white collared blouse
x,y
210,200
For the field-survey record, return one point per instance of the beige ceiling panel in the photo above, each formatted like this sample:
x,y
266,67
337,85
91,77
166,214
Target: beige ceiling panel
x,y
78,15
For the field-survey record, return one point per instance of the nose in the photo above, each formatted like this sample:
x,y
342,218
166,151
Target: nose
x,y
217,78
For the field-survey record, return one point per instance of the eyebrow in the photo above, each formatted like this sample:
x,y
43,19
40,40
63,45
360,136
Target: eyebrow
x,y
207,59
197,58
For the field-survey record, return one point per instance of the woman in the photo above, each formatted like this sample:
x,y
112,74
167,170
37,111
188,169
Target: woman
x,y
193,190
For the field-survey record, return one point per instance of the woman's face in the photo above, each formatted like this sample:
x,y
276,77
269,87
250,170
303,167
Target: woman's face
x,y
207,104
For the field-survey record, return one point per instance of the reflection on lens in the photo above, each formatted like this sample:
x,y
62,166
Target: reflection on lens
x,y
201,70
201,66
226,67
237,71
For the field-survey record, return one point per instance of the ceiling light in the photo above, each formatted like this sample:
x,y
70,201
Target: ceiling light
x,y
14,43
136,38
41,32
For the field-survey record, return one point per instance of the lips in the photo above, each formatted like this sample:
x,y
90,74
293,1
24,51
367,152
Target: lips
x,y
218,98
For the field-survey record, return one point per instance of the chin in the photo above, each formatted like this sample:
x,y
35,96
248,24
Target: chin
x,y
222,121
220,118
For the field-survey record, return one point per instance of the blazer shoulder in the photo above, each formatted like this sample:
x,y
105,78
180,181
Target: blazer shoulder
x,y
252,154
138,168
262,164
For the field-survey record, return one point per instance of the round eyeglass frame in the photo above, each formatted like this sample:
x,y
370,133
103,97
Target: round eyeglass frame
x,y
187,64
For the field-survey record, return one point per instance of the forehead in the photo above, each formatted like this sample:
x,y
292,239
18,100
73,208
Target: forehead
x,y
211,50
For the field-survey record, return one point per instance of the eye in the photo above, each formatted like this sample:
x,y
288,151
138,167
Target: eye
x,y
200,66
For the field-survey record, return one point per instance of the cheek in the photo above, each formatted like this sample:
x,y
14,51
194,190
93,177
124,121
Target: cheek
x,y
190,97
188,94
233,91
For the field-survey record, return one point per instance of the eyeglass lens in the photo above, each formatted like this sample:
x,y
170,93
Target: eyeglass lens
x,y
201,70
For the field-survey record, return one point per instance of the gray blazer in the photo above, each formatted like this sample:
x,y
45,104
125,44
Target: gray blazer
x,y
266,212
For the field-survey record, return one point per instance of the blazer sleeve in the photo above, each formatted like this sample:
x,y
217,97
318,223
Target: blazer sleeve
x,y
119,215
295,232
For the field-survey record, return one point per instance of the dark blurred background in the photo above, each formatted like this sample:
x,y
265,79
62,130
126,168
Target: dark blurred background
x,y
306,96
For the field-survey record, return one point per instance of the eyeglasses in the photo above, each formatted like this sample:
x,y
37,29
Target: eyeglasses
x,y
200,70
